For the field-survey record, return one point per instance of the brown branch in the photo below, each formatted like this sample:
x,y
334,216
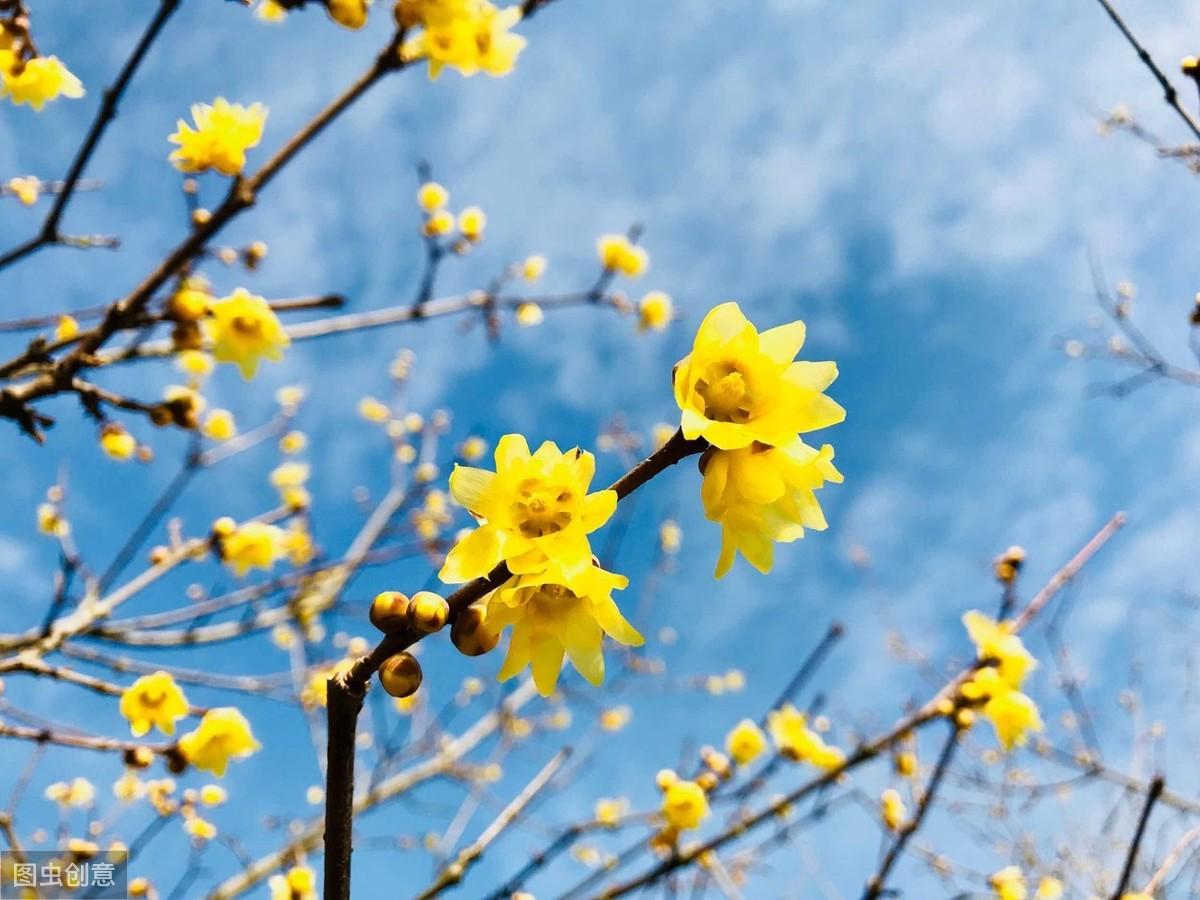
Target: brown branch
x,y
1169,93
876,882
1156,789
347,689
49,233
453,873
927,713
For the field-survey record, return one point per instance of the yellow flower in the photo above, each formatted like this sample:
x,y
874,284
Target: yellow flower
x,y
293,442
745,742
619,254
553,615
252,545
471,222
78,793
300,883
891,807
199,828
670,537
684,805
270,11
615,718
36,80
431,197
468,35
190,301
795,740
153,700
243,330
117,442
223,734
298,544
223,133
738,386
51,522
1012,714
760,494
533,267
195,362
373,410
213,795
26,190
529,314
473,448
998,644
439,223
655,311
350,14
1009,884
1052,889
533,508
609,811
219,425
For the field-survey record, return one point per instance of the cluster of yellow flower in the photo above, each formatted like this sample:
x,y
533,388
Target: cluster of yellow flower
x,y
468,35
298,883
221,135
535,515
28,78
996,685
745,395
433,199
1010,883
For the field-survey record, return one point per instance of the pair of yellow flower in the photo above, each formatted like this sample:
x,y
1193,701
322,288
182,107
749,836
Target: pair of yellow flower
x,y
996,685
157,701
745,394
35,80
535,516
468,35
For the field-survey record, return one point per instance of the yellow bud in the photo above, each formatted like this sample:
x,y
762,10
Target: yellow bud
x,y
428,612
400,675
389,611
350,14
431,196
470,633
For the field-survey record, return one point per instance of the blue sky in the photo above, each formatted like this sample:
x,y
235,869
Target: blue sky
x,y
920,182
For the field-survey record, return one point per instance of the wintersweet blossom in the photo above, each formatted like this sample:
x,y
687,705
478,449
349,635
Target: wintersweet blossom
x,y
739,386
745,742
252,545
222,134
223,734
795,740
245,330
553,615
1009,884
684,805
468,35
36,81
760,494
153,700
998,643
299,883
619,254
533,508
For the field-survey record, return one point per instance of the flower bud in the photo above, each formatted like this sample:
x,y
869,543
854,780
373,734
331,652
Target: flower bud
x,y
389,611
400,675
428,612
470,633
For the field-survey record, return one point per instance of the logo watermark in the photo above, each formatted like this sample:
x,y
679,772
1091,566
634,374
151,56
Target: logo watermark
x,y
51,874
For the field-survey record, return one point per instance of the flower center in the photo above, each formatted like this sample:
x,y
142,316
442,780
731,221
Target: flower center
x,y
726,394
540,509
247,327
